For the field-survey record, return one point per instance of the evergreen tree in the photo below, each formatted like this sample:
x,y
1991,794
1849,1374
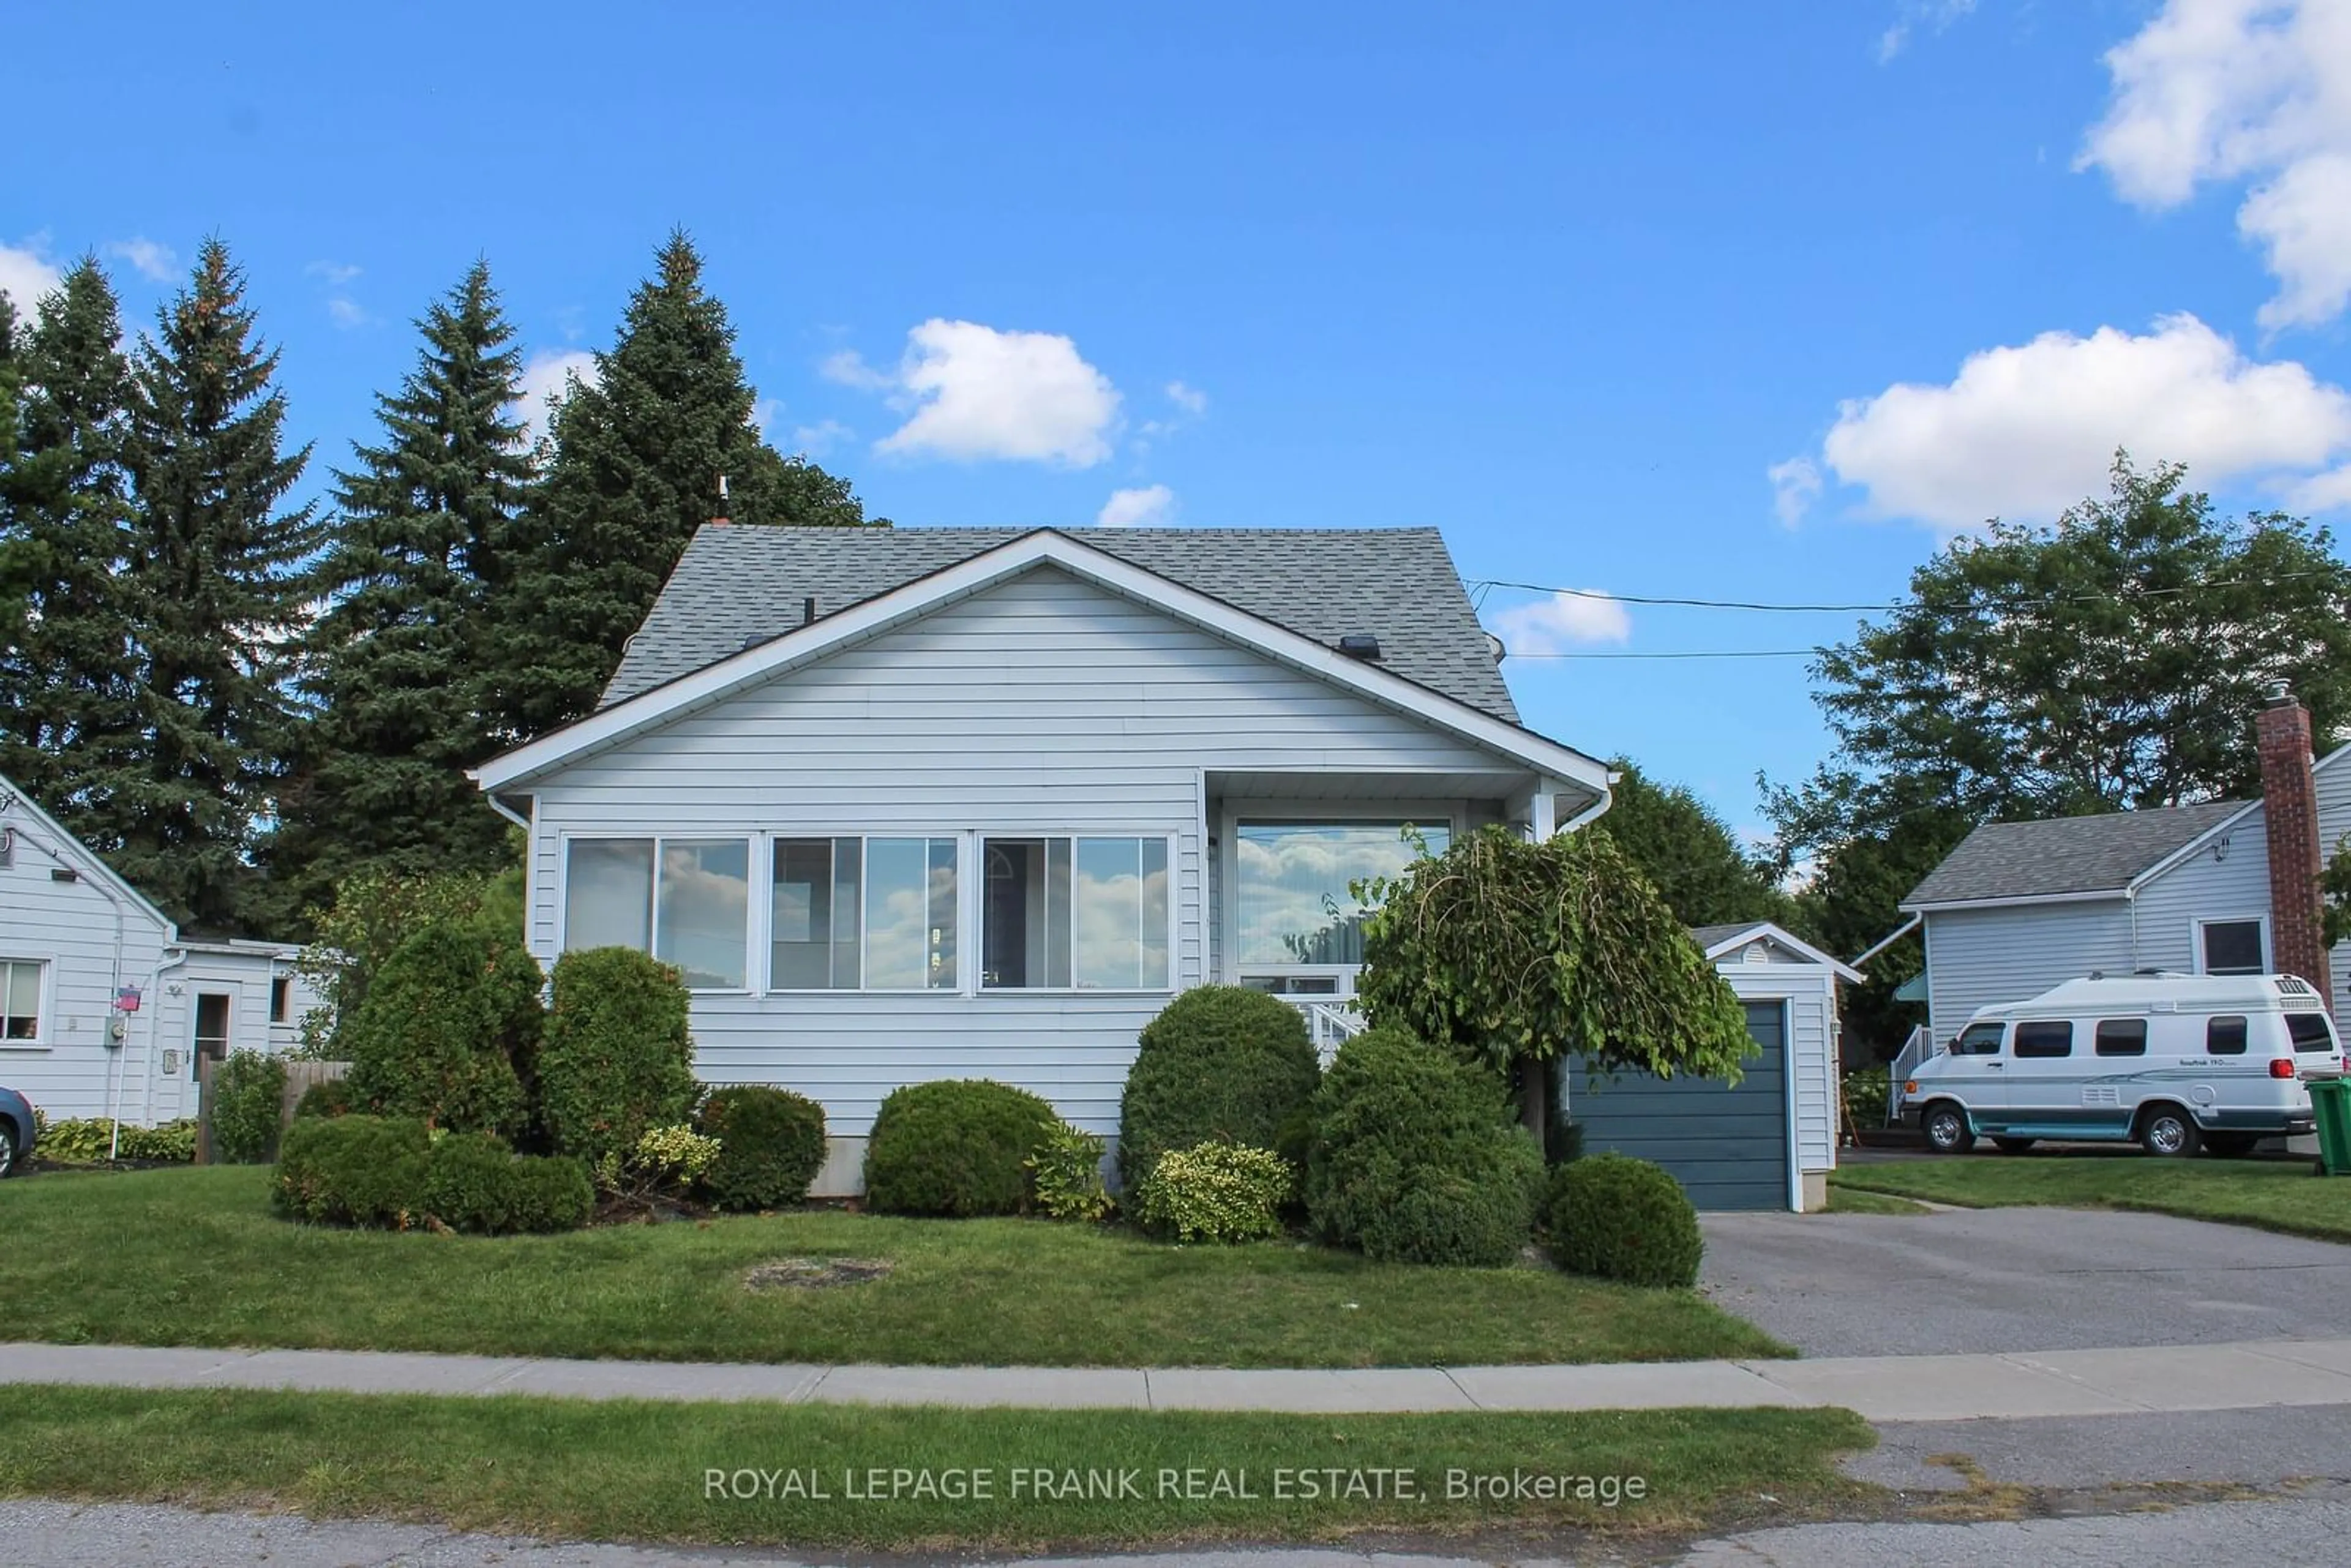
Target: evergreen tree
x,y
637,454
68,687
218,590
396,662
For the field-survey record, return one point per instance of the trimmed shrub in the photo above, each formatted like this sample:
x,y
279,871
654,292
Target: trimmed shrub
x,y
1621,1219
248,1096
474,1182
1222,1064
329,1097
770,1146
447,1030
1067,1175
550,1193
617,1059
354,1170
955,1146
1395,1116
1215,1191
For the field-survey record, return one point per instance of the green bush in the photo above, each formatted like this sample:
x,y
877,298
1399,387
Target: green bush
x,y
550,1193
474,1182
327,1097
770,1146
617,1059
1865,1089
1622,1218
248,1097
1067,1175
1215,1191
1222,1064
1395,1114
165,1143
447,1030
957,1146
87,1140
354,1170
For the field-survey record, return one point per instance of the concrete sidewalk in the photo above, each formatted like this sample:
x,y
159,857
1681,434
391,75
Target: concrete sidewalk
x,y
2165,1378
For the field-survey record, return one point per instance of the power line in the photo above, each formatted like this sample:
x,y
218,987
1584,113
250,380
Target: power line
x,y
1689,653
1480,585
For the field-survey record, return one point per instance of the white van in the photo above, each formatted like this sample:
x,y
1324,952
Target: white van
x,y
2175,1062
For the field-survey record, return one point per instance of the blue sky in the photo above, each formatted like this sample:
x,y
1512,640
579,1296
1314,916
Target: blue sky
x,y
1716,301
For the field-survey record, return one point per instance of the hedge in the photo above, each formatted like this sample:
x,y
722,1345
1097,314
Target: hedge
x,y
390,1172
617,1059
447,1030
1222,1064
957,1146
771,1144
1621,1219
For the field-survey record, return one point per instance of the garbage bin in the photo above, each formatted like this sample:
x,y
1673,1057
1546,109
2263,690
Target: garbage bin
x,y
2330,1098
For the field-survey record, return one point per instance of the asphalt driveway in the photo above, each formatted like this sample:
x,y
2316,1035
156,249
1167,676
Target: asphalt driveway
x,y
2018,1279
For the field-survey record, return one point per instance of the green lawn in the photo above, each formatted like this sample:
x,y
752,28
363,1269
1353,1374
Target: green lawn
x,y
2274,1195
641,1471
195,1257
1855,1200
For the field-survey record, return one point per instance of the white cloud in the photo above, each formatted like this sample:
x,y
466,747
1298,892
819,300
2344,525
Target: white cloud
x,y
2257,91
347,312
1191,399
816,440
979,394
1152,506
336,273
2022,433
548,374
1555,625
25,275
147,257
1933,16
1795,486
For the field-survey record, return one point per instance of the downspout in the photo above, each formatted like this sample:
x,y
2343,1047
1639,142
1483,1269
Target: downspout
x,y
171,958
2130,899
1590,814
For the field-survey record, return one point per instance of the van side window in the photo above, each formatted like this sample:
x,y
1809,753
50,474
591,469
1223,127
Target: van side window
x,y
2049,1039
2310,1031
1979,1039
2122,1036
2225,1036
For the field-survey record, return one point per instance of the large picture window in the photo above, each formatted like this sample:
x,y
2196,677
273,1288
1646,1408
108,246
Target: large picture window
x,y
685,900
1294,909
910,914
1083,913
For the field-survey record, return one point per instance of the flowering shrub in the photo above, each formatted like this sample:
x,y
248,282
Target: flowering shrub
x,y
1068,1174
665,1159
1215,1191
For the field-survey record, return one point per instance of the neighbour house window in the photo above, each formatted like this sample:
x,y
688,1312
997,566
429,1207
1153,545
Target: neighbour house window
x,y
2121,1037
1087,913
20,999
2225,1036
2044,1039
281,999
1979,1039
685,901
2230,947
1293,905
813,927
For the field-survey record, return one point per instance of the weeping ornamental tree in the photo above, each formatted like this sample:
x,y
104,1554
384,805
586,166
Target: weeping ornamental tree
x,y
1516,953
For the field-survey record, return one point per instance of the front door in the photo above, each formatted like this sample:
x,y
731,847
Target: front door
x,y
212,1030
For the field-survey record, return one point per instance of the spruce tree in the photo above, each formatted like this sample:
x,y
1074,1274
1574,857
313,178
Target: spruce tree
x,y
636,459
395,662
68,711
218,587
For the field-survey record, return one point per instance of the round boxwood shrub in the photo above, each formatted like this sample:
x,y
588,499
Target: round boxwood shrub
x,y
1622,1218
770,1146
327,1097
617,1058
248,1095
1416,1157
1222,1064
353,1170
474,1182
447,1030
957,1146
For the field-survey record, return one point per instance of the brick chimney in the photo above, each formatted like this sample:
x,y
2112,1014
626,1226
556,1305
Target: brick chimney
x,y
2289,804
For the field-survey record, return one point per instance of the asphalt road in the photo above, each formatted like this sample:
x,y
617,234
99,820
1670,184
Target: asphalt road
x,y
2018,1279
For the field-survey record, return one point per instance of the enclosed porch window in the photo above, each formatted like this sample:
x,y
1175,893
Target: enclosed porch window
x,y
1299,929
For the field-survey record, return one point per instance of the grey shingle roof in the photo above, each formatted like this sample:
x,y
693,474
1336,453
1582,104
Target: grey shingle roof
x,y
2065,854
1707,935
747,582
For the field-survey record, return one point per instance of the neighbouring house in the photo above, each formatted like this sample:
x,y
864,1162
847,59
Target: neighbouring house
x,y
2226,887
105,1007
917,803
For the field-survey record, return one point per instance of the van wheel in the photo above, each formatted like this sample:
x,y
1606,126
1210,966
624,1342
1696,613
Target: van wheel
x,y
2011,1145
2167,1130
2231,1145
1947,1129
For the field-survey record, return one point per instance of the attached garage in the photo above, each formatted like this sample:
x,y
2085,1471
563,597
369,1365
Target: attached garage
x,y
1769,1140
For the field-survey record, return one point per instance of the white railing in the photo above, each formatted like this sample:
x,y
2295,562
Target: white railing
x,y
1916,1049
1329,1024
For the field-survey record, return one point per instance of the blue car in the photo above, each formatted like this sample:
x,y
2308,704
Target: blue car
x,y
15,1132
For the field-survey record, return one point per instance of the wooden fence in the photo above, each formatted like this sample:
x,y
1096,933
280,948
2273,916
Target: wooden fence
x,y
300,1077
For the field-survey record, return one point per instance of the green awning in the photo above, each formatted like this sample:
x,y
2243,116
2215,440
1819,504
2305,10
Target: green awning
x,y
1913,989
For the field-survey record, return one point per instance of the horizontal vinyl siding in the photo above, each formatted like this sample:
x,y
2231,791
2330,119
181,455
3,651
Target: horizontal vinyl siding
x,y
1980,958
2334,790
1043,704
2204,886
70,926
1809,992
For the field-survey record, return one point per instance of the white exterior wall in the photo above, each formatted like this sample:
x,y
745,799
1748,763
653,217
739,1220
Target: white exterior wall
x,y
72,929
1810,992
1042,705
1978,957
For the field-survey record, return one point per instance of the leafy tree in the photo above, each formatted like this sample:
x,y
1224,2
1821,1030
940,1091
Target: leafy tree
x,y
1688,855
375,911
1516,954
637,453
67,692
217,591
398,664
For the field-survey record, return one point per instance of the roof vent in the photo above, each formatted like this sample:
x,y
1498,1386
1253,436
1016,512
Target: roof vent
x,y
2276,693
808,611
1360,645
64,874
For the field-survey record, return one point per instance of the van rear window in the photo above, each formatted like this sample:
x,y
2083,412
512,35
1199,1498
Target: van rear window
x,y
2225,1036
2311,1031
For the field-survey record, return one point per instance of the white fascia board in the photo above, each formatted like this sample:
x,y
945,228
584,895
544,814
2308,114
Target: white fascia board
x,y
89,863
806,644
2100,895
1792,942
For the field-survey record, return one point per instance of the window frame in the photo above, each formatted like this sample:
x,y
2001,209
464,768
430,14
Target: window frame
x,y
2259,918
754,926
979,838
1999,1037
2244,1033
2098,1036
44,1000
2016,1039
1304,813
281,999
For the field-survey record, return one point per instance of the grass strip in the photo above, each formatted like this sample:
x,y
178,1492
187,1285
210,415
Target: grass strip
x,y
909,1478
1858,1200
2269,1195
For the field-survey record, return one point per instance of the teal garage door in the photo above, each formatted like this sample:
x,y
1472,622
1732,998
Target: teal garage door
x,y
1728,1146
